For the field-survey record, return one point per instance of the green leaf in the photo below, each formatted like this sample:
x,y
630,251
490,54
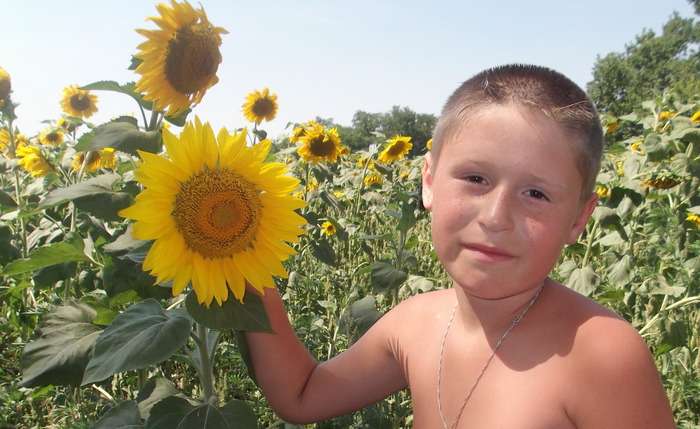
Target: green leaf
x,y
408,217
323,251
105,206
125,242
654,147
153,391
385,277
359,316
101,184
127,89
60,354
141,336
243,349
606,216
621,272
6,200
121,275
232,314
124,415
583,280
122,136
239,415
65,251
180,119
204,417
168,413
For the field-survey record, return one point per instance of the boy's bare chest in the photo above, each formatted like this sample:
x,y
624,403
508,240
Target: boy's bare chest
x,y
520,388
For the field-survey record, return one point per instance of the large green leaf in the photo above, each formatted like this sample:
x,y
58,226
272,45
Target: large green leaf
x,y
121,275
153,391
621,272
177,413
124,415
122,136
127,89
323,251
141,336
232,314
359,316
62,351
72,249
583,280
385,277
105,206
125,242
101,184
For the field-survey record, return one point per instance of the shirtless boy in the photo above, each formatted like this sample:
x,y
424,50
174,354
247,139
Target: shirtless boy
x,y
509,182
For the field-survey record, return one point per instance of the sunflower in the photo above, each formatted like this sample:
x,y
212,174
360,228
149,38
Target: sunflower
x,y
297,133
373,179
108,158
65,124
319,144
4,139
78,102
260,106
33,161
611,127
429,144
5,84
637,147
692,217
180,59
220,216
51,137
696,117
91,165
20,141
602,191
328,229
397,147
666,115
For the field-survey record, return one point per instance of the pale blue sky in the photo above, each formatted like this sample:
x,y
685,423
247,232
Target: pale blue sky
x,y
325,58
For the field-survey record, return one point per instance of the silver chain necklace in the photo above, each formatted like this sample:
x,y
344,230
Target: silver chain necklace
x,y
513,324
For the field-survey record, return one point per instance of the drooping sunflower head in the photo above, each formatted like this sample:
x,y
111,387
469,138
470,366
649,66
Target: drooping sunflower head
x,y
33,161
397,147
319,144
5,84
78,102
51,136
373,179
179,60
260,106
219,214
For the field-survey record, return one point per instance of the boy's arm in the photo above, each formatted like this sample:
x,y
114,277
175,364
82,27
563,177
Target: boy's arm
x,y
301,390
618,385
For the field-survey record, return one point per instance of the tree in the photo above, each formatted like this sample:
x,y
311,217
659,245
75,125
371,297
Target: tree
x,y
649,66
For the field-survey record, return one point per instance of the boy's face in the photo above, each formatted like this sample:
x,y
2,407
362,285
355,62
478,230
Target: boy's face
x,y
505,198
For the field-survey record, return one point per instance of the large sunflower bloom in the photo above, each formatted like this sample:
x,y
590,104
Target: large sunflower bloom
x,y
51,136
180,59
397,147
5,84
260,106
219,215
33,161
319,144
78,102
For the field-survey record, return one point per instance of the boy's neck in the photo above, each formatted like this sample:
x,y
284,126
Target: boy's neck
x,y
491,316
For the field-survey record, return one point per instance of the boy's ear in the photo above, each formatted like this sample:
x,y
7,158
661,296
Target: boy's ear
x,y
579,225
427,182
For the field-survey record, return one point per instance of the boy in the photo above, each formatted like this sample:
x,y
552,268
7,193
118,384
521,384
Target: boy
x,y
509,181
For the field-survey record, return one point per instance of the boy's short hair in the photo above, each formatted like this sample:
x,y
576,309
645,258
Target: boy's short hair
x,y
541,88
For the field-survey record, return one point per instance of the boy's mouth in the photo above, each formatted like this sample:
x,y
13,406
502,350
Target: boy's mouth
x,y
488,253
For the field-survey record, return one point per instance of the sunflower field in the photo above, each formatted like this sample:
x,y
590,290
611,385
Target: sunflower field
x,y
126,246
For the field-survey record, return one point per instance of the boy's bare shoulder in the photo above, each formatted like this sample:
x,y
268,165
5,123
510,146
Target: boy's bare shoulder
x,y
609,362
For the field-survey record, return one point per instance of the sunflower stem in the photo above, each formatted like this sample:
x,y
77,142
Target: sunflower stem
x,y
205,375
18,194
143,114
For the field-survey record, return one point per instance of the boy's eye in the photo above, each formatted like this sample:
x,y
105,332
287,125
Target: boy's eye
x,y
534,193
475,179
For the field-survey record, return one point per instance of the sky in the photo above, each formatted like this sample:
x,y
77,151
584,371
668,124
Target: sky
x,y
322,58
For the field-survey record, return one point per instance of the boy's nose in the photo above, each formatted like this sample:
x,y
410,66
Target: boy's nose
x,y
496,211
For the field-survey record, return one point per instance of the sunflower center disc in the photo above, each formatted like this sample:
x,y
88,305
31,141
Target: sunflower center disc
x,y
52,137
80,102
321,146
193,58
217,212
263,107
396,149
